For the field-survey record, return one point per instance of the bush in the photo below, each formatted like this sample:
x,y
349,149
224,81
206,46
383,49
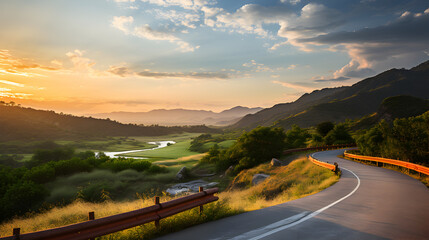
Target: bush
x,y
20,198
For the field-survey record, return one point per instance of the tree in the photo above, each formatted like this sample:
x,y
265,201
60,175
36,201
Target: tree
x,y
296,137
324,128
252,148
338,135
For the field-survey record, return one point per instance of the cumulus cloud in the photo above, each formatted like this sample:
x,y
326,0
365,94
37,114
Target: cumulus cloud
x,y
125,71
80,62
251,17
122,22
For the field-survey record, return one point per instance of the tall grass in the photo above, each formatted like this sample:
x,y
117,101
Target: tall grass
x,y
296,180
300,178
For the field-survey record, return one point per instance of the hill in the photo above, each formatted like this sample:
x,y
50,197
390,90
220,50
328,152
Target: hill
x,y
174,117
339,104
394,107
18,123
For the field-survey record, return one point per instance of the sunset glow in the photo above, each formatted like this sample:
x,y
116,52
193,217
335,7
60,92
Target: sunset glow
x,y
123,55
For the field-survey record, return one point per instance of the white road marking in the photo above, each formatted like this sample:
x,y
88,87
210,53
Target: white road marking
x,y
281,228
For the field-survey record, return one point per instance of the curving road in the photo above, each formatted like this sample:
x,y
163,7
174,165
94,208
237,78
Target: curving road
x,y
367,203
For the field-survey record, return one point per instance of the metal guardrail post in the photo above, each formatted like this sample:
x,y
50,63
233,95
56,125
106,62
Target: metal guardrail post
x,y
16,233
201,189
91,216
157,203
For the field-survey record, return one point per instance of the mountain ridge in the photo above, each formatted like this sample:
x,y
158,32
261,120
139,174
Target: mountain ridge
x,y
173,117
339,104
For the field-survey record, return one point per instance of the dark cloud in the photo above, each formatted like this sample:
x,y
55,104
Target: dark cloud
x,y
407,29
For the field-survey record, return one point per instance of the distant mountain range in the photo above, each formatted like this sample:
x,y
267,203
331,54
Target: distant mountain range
x,y
339,104
181,117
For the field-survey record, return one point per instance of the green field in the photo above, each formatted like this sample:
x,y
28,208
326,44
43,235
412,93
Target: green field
x,y
178,150
225,144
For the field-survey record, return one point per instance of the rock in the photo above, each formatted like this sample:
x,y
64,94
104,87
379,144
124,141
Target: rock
x,y
181,174
275,162
192,186
229,170
258,178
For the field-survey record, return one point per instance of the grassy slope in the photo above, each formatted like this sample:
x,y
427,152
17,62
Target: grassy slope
x,y
298,179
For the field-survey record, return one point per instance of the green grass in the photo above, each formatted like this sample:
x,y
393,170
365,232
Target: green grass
x,y
178,150
224,144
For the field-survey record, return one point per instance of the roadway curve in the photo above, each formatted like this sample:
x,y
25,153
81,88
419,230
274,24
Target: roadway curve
x,y
367,203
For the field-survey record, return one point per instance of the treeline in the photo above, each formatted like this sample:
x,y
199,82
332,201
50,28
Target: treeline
x,y
19,123
406,139
23,189
263,143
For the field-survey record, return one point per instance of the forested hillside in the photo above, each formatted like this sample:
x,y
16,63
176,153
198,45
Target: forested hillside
x,y
18,123
339,104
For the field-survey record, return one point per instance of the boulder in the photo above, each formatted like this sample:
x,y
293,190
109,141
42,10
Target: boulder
x,y
275,162
192,186
181,174
258,178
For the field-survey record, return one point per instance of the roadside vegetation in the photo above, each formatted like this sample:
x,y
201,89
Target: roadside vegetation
x,y
298,179
406,139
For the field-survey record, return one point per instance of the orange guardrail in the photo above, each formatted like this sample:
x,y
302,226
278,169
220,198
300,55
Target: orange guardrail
x,y
330,147
332,167
115,223
411,166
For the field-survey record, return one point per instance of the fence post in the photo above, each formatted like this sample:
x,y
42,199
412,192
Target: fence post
x,y
157,203
201,189
16,233
91,216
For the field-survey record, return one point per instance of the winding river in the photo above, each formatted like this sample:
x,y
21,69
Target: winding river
x,y
160,144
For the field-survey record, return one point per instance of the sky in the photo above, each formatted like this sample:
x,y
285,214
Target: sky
x,y
82,57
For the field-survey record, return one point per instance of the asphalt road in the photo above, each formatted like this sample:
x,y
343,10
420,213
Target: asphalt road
x,y
367,203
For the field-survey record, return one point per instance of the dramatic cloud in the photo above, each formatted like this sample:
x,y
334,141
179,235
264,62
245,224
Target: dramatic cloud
x,y
122,22
124,72
405,39
20,66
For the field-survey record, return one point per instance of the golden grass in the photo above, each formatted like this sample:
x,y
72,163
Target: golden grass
x,y
300,178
